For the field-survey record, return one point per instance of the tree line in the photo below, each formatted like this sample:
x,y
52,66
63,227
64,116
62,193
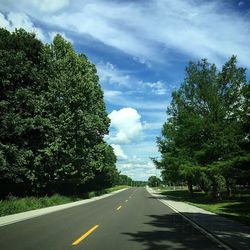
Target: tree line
x,y
205,140
123,179
52,119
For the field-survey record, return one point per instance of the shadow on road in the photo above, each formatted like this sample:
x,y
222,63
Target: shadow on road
x,y
170,231
230,232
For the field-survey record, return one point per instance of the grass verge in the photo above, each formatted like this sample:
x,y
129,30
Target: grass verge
x,y
17,205
236,207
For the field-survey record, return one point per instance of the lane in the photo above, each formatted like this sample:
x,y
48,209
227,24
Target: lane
x,y
60,229
145,223
132,219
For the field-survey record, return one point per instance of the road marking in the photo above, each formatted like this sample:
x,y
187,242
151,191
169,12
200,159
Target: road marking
x,y
119,208
84,235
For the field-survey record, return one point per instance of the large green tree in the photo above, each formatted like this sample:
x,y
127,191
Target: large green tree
x,y
206,130
21,81
53,117
73,104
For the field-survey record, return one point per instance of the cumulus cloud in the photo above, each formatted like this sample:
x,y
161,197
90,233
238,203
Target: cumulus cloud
x,y
127,125
118,151
20,20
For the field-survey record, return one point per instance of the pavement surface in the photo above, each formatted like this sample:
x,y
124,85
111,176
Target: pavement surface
x,y
131,219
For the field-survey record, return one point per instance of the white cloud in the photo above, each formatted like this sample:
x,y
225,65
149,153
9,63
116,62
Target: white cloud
x,y
37,6
101,20
108,73
143,149
140,170
138,165
157,88
142,61
152,125
148,31
111,75
111,93
122,99
20,20
118,151
127,125
47,5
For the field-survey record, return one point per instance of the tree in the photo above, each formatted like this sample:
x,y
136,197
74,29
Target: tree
x,y
154,181
21,81
53,117
124,180
73,104
205,126
139,183
105,170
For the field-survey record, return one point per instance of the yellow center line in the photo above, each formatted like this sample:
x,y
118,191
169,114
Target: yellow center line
x,y
119,208
84,235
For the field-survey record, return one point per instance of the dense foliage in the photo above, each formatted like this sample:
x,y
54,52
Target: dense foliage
x,y
52,119
205,141
122,179
154,181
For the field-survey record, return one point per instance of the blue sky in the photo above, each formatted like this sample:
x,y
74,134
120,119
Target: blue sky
x,y
140,49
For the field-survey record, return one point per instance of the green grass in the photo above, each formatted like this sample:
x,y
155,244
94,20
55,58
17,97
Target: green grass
x,y
236,207
170,188
17,205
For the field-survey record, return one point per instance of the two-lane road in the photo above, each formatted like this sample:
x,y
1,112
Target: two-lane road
x,y
131,219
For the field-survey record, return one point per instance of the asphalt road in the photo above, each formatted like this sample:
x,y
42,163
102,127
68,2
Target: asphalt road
x,y
132,219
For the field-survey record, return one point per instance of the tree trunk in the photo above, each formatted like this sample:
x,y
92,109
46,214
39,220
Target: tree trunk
x,y
190,186
215,192
229,189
